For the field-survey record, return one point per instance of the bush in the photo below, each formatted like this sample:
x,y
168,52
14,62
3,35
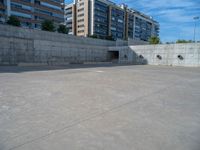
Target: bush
x,y
184,41
62,29
14,21
48,25
154,40
93,36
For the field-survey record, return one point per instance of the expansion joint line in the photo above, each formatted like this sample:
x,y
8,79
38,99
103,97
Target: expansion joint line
x,y
90,118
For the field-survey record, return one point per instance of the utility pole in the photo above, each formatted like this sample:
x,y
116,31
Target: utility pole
x,y
195,24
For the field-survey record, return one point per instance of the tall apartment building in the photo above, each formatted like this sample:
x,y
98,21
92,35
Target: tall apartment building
x,y
70,18
2,11
140,26
104,18
31,13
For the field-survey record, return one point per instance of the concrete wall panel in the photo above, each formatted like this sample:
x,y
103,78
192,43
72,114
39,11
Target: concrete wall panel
x,y
170,54
19,45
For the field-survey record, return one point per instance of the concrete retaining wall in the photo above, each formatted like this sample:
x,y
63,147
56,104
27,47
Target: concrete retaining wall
x,y
19,45
167,54
26,46
137,42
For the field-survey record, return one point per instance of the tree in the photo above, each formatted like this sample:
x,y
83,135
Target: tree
x,y
14,21
93,36
184,41
48,25
62,29
154,40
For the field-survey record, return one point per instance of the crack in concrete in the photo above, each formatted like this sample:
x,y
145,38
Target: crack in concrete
x,y
91,117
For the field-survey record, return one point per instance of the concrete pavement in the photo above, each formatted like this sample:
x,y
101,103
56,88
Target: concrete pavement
x,y
100,108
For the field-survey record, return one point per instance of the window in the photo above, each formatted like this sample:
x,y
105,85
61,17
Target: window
x,y
113,28
82,9
37,26
28,1
80,20
26,24
21,14
58,15
20,6
80,15
37,2
43,12
81,4
58,1
50,6
80,26
119,20
81,31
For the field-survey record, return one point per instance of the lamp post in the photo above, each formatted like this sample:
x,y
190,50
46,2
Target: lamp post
x,y
195,24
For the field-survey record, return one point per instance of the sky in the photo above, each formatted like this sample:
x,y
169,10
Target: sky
x,y
175,16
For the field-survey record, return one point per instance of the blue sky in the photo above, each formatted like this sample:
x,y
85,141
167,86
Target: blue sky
x,y
175,16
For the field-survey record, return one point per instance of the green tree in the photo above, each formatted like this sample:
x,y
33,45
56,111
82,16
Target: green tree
x,y
14,21
62,29
93,36
154,40
184,41
48,25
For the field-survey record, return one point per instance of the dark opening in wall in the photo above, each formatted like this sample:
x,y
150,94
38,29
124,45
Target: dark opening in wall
x,y
113,56
141,57
159,57
180,57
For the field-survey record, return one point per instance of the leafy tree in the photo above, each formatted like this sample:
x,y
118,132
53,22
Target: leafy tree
x,y
93,36
48,25
154,40
14,21
184,41
62,29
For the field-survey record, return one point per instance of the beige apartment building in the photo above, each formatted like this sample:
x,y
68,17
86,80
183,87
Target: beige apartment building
x,y
32,13
105,19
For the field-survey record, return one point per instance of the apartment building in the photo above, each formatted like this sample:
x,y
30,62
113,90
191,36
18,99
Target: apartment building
x,y
117,22
140,26
83,17
31,13
2,10
104,18
70,18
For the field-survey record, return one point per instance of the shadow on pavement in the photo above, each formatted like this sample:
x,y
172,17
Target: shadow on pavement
x,y
20,69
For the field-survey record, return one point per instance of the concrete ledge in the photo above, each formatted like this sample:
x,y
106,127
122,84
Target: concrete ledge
x,y
32,64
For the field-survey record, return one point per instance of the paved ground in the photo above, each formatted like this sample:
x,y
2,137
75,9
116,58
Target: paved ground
x,y
101,108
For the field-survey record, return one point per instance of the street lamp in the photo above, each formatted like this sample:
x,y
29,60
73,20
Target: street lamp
x,y
195,24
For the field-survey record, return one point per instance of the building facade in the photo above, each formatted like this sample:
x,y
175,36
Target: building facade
x,y
70,18
31,13
140,26
105,19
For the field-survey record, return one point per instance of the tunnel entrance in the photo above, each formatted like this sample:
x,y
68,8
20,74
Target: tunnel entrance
x,y
113,56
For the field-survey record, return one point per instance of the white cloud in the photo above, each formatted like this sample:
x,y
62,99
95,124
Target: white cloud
x,y
175,16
